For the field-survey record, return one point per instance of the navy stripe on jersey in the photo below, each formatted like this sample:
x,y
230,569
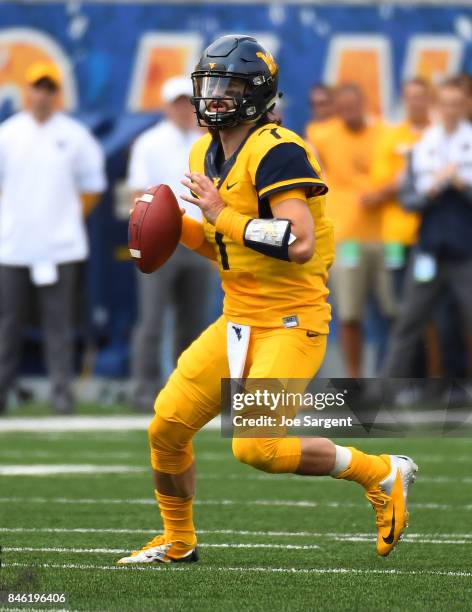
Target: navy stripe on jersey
x,y
216,166
286,162
265,211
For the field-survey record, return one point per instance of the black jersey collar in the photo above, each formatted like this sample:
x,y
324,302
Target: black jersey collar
x,y
213,169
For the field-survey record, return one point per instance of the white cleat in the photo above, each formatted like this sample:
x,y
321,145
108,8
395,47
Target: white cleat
x,y
155,554
156,551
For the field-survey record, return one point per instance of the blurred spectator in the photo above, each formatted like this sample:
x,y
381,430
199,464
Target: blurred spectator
x,y
323,110
439,187
322,102
160,155
399,227
48,162
345,149
465,81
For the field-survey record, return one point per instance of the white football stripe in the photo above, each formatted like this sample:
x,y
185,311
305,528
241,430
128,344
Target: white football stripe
x,y
251,545
51,468
83,423
126,550
406,540
75,423
72,468
439,458
240,532
277,570
323,480
101,454
77,454
289,503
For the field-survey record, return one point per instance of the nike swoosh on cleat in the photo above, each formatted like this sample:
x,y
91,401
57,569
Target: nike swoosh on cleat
x,y
389,538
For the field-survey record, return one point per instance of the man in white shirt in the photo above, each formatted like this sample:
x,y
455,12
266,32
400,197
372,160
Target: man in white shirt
x,y
51,172
438,186
160,155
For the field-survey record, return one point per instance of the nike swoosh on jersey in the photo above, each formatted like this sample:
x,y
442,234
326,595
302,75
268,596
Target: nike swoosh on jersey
x,y
228,186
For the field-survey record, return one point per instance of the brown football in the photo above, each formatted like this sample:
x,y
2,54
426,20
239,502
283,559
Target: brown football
x,y
155,226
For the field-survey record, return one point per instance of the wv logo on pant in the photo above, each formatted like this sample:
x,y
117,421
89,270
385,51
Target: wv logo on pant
x,y
237,331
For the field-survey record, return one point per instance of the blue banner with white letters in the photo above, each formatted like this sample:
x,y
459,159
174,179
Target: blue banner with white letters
x,y
117,51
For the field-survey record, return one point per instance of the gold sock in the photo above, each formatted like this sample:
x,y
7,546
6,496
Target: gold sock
x,y
177,516
365,469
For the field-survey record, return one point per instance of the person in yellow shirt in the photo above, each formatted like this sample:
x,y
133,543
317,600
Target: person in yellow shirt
x,y
260,189
323,110
345,149
398,226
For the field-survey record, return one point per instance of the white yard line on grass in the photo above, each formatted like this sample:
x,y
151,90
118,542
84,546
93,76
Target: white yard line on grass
x,y
125,550
49,469
406,539
81,455
296,478
444,459
253,545
200,456
52,469
240,532
82,423
78,454
289,503
275,570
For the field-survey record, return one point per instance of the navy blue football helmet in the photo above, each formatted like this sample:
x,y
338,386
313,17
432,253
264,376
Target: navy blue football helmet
x,y
235,81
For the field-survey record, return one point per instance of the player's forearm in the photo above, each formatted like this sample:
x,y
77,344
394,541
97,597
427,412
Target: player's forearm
x,y
232,224
271,237
193,237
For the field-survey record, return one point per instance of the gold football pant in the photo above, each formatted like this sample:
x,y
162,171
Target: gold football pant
x,y
192,395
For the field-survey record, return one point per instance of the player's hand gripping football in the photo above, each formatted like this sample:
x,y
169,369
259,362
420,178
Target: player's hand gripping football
x,y
208,200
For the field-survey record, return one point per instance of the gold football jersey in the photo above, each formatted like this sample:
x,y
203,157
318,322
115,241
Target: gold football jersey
x,y
260,290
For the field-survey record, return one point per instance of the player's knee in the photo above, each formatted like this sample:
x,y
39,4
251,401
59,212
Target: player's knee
x,y
274,455
253,451
156,432
171,446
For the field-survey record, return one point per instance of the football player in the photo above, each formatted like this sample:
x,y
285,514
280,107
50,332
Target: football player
x,y
262,195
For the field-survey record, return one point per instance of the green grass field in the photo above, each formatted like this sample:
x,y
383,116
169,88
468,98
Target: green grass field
x,y
266,542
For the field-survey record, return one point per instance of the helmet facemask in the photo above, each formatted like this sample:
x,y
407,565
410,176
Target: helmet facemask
x,y
223,99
